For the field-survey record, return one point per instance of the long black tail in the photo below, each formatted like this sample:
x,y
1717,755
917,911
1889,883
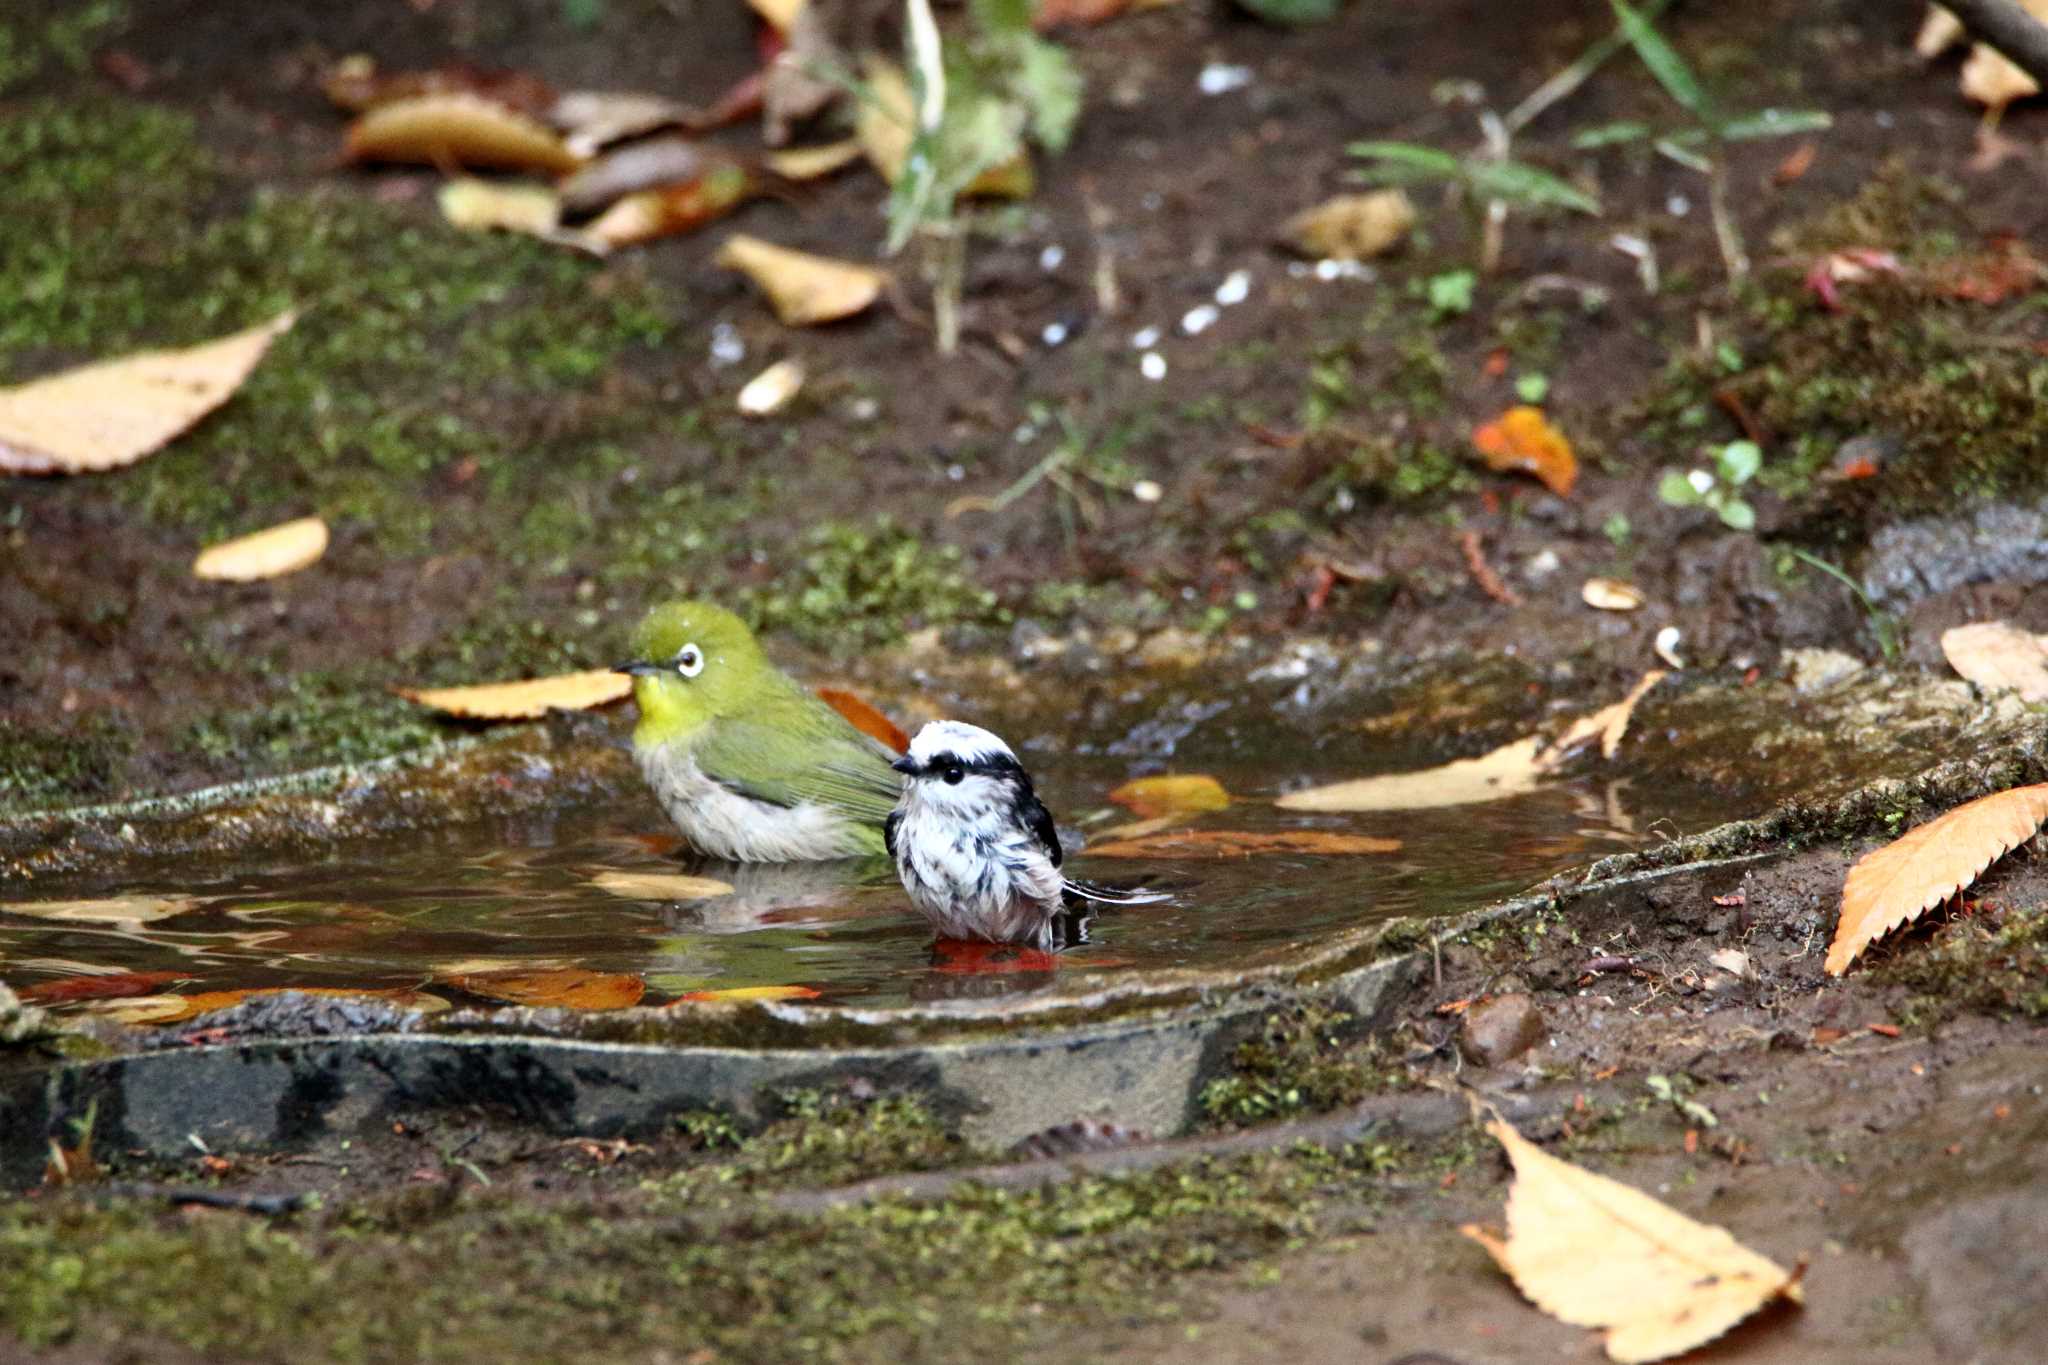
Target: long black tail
x,y
1113,895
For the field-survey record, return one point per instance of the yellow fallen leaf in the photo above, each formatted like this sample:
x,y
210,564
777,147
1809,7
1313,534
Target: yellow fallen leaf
x,y
114,412
1991,79
139,1009
457,128
1184,793
884,125
282,549
1608,725
660,886
1997,656
1926,865
1522,439
1236,843
648,214
1939,31
803,288
135,909
1593,1252
556,988
1351,227
527,699
733,993
768,392
479,205
778,14
814,163
1610,594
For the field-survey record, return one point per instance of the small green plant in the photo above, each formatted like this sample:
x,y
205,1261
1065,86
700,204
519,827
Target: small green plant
x,y
1735,465
1532,388
1883,624
1489,182
1450,294
1617,529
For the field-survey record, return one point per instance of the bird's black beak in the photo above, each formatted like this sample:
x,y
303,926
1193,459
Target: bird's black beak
x,y
637,668
905,765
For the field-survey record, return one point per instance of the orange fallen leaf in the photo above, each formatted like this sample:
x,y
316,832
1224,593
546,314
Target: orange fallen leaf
x,y
97,986
1523,440
1234,843
1796,164
555,987
1922,868
114,412
206,1002
282,549
527,699
649,214
1996,655
865,718
1594,1252
803,289
1181,794
458,128
732,993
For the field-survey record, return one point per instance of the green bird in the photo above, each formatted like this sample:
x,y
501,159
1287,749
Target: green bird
x,y
750,764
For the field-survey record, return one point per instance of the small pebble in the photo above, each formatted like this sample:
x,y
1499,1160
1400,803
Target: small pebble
x,y
1152,365
1145,338
726,346
1049,259
1198,320
1500,1029
1678,206
1055,333
1220,78
1235,289
1145,490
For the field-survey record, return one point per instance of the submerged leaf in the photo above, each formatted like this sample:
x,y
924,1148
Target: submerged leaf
x,y
206,1002
866,718
97,986
132,909
1233,843
1922,868
1523,439
528,699
1182,794
1594,1252
114,412
804,289
740,993
557,988
282,549
660,886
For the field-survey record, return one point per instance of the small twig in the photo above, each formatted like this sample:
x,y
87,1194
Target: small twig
x,y
1482,573
2018,36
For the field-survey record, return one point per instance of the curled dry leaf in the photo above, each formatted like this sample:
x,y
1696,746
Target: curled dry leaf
x,y
866,718
814,163
803,289
1996,656
743,993
1236,843
528,699
114,412
1608,724
1181,794
458,129
1611,594
134,909
1522,439
556,988
479,205
660,886
665,212
771,390
1922,868
1595,1253
591,120
282,549
1351,227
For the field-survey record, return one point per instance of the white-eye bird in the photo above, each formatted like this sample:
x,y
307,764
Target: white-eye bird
x,y
750,764
976,849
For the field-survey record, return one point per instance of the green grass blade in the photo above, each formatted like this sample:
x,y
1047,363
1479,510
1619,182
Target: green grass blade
x,y
1665,64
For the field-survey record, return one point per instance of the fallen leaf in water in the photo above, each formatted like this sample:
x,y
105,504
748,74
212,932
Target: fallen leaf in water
x,y
114,412
738,993
1181,794
355,84
1996,656
282,549
590,120
559,987
660,886
814,163
1593,1252
883,124
1939,32
140,1009
1608,724
480,205
1235,843
527,699
458,129
1611,594
106,910
866,718
206,1002
665,212
1523,440
97,986
803,288
1922,868
1351,227
771,390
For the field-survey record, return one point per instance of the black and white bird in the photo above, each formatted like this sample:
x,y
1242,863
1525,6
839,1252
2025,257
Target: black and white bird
x,y
975,847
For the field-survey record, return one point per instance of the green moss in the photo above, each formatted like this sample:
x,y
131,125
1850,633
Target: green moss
x,y
48,767
823,1138
1305,1059
1968,964
868,584
315,718
28,45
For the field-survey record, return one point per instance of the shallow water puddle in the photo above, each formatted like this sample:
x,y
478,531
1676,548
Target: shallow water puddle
x,y
595,892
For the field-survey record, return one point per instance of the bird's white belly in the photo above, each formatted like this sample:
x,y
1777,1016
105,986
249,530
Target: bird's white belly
x,y
996,888
721,822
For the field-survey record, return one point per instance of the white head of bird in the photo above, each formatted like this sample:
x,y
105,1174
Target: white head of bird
x,y
961,772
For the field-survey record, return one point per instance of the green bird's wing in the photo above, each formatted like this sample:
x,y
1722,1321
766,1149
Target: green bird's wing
x,y
809,761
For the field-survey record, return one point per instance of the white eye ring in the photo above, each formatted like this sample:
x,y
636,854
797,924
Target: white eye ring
x,y
689,661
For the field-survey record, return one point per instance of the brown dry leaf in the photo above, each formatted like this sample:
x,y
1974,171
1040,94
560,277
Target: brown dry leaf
x,y
652,164
528,699
282,549
206,1002
1922,868
458,129
1593,1252
660,886
1996,655
1523,439
114,412
866,718
134,909
665,212
739,993
1236,843
556,988
804,289
97,986
1182,794
814,163
1351,227
1608,725
883,126
1991,79
480,205
1939,31
1611,594
591,120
